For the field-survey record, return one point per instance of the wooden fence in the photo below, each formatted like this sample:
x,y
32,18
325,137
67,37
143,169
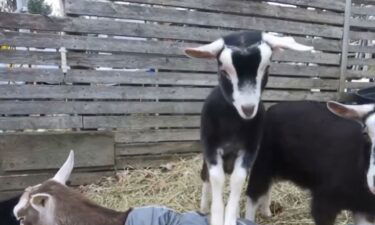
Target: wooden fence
x,y
110,79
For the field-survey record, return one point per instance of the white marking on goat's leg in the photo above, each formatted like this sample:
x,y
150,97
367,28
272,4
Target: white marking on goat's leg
x,y
237,180
265,203
360,219
205,199
217,179
251,208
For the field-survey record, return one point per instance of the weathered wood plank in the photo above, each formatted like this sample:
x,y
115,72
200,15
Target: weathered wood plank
x,y
362,62
5,195
49,122
144,136
359,74
364,49
88,26
20,152
117,92
158,148
311,71
45,40
185,64
358,35
204,19
94,108
361,23
196,79
365,11
358,85
101,92
149,161
110,9
338,5
140,122
31,75
19,182
27,57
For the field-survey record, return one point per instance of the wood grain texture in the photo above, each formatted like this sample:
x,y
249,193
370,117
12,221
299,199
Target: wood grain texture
x,y
33,122
20,152
158,148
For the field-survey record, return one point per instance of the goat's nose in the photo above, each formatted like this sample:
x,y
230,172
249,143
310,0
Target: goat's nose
x,y
248,110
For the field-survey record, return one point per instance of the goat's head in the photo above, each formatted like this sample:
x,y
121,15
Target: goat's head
x,y
243,60
37,204
366,115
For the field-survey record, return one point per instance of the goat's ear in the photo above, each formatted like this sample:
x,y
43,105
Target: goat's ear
x,y
64,172
355,112
208,51
40,201
277,42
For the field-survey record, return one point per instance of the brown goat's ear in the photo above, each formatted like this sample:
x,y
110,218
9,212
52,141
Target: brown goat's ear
x,y
39,201
355,112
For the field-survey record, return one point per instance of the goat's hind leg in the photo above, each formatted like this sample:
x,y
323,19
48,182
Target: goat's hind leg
x,y
237,180
258,191
206,190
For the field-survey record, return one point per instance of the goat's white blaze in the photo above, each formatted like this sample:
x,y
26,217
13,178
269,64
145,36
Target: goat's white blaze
x,y
248,94
237,180
217,180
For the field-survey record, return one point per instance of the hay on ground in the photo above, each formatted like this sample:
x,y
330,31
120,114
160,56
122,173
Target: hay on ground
x,y
178,185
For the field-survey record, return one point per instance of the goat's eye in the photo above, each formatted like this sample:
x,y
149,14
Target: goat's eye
x,y
224,73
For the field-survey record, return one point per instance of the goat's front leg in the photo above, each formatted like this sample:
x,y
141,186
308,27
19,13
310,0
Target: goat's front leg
x,y
217,179
237,181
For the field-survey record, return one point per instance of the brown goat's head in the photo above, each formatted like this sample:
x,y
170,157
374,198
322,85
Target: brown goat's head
x,y
37,205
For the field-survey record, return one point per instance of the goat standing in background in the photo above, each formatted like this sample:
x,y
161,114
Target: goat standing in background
x,y
231,122
304,142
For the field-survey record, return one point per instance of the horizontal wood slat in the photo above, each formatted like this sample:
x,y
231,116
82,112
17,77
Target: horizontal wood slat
x,y
58,122
203,19
19,182
237,7
75,42
31,75
158,148
48,151
338,5
102,92
27,57
93,108
157,135
140,122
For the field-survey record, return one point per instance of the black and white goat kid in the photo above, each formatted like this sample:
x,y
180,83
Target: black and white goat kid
x,y
306,143
231,122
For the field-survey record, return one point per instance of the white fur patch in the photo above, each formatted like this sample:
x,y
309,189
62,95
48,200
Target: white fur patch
x,y
263,202
237,181
217,179
205,199
360,219
21,204
370,123
248,94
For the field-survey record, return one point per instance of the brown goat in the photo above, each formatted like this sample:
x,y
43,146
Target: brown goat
x,y
53,203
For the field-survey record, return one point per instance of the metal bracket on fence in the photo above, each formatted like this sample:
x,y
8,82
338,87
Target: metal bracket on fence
x,y
64,66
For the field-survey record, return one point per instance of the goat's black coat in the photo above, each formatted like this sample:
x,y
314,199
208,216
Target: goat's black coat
x,y
222,127
305,143
6,211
